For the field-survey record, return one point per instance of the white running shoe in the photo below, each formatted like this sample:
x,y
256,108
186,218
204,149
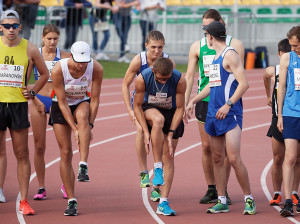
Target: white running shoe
x,y
127,48
2,198
101,56
123,59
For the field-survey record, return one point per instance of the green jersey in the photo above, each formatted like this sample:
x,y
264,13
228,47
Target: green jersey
x,y
205,59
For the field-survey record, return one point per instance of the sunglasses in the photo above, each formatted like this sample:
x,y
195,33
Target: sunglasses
x,y
8,26
162,79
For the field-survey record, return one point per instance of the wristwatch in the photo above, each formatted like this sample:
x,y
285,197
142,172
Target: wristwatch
x,y
229,103
172,131
92,125
32,93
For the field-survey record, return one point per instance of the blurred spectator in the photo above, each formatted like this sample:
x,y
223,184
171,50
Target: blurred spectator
x,y
98,22
6,4
122,22
75,15
149,16
27,10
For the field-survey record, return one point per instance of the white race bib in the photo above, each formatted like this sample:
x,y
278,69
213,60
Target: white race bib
x,y
214,75
161,102
207,61
11,75
297,78
75,91
50,65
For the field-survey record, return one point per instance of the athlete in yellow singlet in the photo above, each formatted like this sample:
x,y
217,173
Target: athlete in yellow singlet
x,y
15,55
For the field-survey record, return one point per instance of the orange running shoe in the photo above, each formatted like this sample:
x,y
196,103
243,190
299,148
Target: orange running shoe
x,y
276,200
25,208
295,199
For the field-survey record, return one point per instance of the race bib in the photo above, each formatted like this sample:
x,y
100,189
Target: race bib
x,y
297,78
214,75
50,65
11,75
75,91
207,61
160,102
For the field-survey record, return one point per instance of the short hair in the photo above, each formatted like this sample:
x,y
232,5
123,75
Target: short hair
x,y
213,14
295,31
284,46
155,35
164,66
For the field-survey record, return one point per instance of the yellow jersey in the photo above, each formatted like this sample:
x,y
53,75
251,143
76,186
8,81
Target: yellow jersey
x,y
13,72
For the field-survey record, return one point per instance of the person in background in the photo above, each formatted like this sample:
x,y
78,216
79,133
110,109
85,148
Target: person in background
x,y
98,20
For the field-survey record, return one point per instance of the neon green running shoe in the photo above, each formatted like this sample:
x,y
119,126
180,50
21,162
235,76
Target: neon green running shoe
x,y
218,208
145,181
250,207
155,194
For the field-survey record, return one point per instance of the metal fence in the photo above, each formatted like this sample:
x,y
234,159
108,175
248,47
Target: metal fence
x,y
180,30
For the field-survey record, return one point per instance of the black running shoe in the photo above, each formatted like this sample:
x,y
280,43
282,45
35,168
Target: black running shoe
x,y
287,210
228,199
83,173
71,209
211,196
298,208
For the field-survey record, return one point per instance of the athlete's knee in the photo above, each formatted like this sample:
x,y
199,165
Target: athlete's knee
x,y
278,160
158,122
290,161
82,117
40,150
206,148
235,161
22,155
66,155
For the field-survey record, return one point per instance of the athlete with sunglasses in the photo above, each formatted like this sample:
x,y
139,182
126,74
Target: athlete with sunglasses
x,y
16,53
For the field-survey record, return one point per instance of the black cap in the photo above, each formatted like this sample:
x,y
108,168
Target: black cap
x,y
216,29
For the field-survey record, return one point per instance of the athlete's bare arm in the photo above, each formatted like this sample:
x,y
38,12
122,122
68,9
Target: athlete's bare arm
x,y
284,63
64,54
269,76
238,46
191,69
96,89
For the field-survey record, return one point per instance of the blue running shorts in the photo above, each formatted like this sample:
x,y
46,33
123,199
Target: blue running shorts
x,y
215,127
291,127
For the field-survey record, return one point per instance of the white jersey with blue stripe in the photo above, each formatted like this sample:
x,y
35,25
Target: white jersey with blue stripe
x,y
291,105
220,94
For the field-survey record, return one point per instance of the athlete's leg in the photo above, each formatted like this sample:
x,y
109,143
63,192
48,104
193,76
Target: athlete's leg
x,y
278,157
169,168
81,115
63,136
297,171
39,125
291,146
156,121
233,141
140,147
3,158
20,146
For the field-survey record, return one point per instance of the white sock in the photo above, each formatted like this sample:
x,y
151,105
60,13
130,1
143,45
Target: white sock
x,y
158,165
161,200
223,199
84,163
294,192
277,192
72,199
248,196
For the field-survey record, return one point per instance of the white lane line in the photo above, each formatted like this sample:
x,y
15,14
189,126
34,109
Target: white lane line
x,y
263,182
19,215
144,190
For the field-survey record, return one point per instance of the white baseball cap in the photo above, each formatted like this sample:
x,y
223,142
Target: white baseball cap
x,y
9,14
81,52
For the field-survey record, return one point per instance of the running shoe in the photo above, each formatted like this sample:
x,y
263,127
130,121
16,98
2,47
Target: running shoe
x,y
164,209
41,195
83,173
218,208
71,209
158,179
145,181
276,200
63,191
287,210
2,197
295,199
250,207
298,208
155,195
25,208
228,200
211,196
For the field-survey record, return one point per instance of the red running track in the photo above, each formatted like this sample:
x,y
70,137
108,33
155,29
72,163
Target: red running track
x,y
113,195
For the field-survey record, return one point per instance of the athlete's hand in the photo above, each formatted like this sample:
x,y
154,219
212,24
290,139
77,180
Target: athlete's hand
x,y
222,112
189,110
40,106
170,145
269,101
76,134
132,116
147,142
280,124
26,93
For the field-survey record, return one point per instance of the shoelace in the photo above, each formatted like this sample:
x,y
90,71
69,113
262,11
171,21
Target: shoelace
x,y
41,191
249,202
83,170
72,204
276,196
143,175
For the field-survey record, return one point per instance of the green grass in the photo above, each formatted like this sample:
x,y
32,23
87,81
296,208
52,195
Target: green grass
x,y
113,69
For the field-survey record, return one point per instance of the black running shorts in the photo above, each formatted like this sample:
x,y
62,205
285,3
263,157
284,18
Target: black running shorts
x,y
201,111
273,130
